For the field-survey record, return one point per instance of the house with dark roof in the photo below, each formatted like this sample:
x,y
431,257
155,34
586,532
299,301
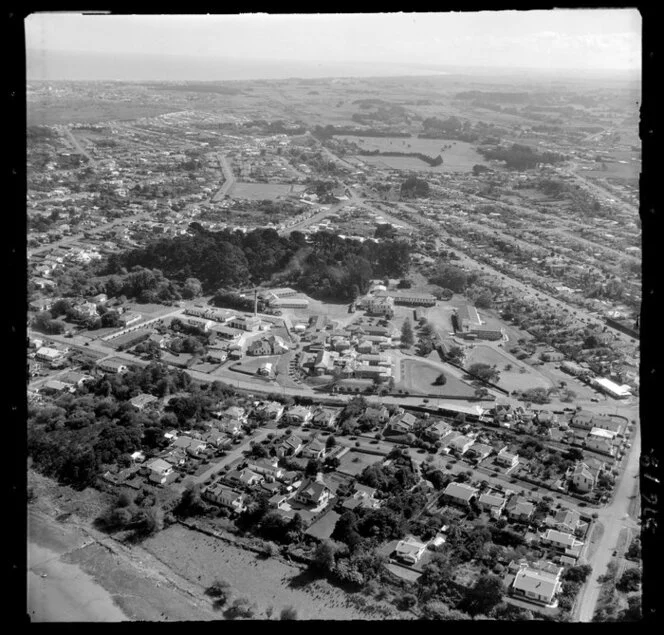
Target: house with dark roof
x,y
314,492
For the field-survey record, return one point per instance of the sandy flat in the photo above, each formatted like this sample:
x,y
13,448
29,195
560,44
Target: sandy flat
x,y
66,594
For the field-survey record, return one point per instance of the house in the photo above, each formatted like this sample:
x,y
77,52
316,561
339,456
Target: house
x,y
290,446
272,345
75,379
324,363
158,339
143,400
47,354
229,426
480,450
376,413
583,478
314,492
54,386
539,584
100,298
267,467
363,496
315,449
299,414
324,418
245,477
562,541
217,354
160,471
459,493
113,365
225,497
467,318
600,444
492,503
129,318
439,429
189,445
409,550
403,423
272,410
236,413
547,418
278,500
520,509
215,438
567,520
244,323
137,457
507,459
461,444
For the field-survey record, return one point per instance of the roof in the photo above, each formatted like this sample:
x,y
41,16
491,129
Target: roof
x,y
561,537
468,312
159,465
491,499
460,491
314,489
536,581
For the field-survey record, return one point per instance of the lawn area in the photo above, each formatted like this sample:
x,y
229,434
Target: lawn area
x,y
353,463
418,377
259,191
324,526
252,364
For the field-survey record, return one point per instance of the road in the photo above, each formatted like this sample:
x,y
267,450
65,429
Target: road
x,y
614,517
229,179
77,145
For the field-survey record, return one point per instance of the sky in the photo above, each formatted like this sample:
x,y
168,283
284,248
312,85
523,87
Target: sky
x,y
583,40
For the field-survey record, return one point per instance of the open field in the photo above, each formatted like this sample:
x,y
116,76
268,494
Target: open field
x,y
460,157
259,191
418,377
49,112
512,379
201,559
252,364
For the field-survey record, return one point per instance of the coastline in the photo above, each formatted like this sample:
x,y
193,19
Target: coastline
x,y
66,594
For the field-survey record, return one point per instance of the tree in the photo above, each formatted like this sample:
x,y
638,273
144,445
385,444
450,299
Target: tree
x,y
192,288
406,602
331,442
324,557
485,372
241,607
312,468
407,336
487,592
630,580
220,590
288,613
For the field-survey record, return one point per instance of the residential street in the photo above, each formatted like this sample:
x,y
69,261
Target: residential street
x,y
614,516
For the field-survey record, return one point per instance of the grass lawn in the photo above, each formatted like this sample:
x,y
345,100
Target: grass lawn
x,y
259,191
252,364
418,377
324,526
353,463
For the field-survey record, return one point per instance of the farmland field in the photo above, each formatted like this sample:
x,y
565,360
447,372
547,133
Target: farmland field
x,y
259,191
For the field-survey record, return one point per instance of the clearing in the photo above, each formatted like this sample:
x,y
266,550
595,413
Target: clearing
x,y
201,558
